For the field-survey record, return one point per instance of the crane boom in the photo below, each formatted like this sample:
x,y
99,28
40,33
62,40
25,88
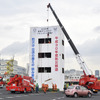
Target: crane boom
x,y
78,57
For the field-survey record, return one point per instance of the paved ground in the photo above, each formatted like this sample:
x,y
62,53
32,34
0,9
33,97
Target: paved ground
x,y
6,95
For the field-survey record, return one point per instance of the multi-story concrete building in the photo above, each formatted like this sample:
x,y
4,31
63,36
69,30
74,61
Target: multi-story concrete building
x,y
27,69
47,55
97,73
16,69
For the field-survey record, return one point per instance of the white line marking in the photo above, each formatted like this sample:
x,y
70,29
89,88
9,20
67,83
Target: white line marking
x,y
9,97
33,94
1,98
0,93
18,96
25,95
60,97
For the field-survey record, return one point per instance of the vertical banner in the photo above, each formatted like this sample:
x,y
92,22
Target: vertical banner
x,y
33,57
56,53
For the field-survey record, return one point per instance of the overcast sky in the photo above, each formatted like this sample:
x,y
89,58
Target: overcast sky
x,y
81,18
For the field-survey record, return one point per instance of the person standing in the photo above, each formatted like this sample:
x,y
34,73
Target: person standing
x,y
37,87
55,87
52,87
67,85
45,88
64,87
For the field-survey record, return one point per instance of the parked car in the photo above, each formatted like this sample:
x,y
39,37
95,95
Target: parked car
x,y
77,90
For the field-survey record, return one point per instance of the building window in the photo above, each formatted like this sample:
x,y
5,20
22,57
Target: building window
x,y
44,69
63,42
41,69
44,55
40,55
48,55
48,69
62,70
44,40
41,41
48,40
62,56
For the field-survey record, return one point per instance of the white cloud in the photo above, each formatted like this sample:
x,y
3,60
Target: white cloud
x,y
16,48
90,52
80,18
20,51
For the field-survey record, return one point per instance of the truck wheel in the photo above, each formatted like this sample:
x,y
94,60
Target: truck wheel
x,y
21,91
89,95
32,90
2,86
75,95
12,91
67,95
95,91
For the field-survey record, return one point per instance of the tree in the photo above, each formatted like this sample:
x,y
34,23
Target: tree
x,y
10,66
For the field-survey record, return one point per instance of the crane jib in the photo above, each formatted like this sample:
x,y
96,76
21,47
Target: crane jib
x,y
78,57
64,31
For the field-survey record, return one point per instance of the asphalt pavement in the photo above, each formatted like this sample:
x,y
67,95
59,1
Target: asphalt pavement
x,y
6,95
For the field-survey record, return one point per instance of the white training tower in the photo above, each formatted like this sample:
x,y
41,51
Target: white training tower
x,y
47,55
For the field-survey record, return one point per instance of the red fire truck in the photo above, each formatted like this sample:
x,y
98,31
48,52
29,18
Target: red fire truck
x,y
22,84
2,83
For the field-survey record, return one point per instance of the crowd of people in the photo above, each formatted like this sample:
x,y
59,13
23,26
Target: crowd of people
x,y
45,87
54,87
